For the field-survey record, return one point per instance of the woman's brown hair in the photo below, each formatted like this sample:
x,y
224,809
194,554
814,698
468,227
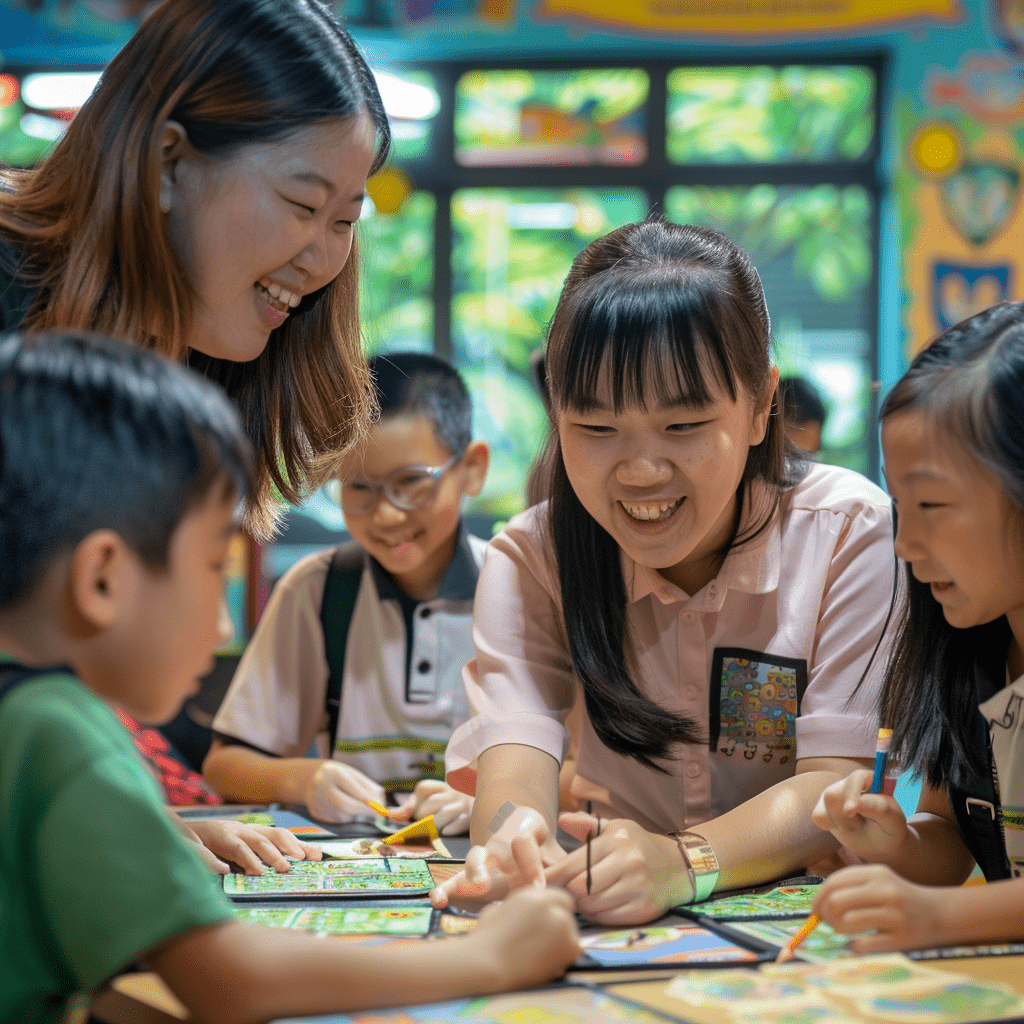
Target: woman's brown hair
x,y
86,231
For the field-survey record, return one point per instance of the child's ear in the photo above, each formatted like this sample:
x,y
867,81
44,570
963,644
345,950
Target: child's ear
x,y
100,578
173,144
763,409
477,459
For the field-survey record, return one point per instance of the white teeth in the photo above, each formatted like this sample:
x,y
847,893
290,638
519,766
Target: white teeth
x,y
281,295
647,513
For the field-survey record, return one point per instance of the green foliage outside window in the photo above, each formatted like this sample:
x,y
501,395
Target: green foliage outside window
x,y
770,114
396,298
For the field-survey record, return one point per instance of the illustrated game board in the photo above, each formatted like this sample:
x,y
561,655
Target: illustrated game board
x,y
363,877
781,902
659,946
415,919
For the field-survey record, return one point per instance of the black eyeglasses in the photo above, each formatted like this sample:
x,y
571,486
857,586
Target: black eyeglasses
x,y
407,488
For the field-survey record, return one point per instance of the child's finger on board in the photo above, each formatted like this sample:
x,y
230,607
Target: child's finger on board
x,y
526,854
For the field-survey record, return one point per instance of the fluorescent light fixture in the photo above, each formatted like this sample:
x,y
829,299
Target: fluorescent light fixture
x,y
64,90
545,216
406,100
39,127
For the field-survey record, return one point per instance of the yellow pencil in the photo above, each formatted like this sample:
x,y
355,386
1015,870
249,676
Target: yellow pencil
x,y
379,808
787,952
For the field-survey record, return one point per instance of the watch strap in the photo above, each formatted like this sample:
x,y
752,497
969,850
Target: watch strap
x,y
701,864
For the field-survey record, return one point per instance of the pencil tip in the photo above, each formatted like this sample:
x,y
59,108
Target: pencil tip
x,y
785,955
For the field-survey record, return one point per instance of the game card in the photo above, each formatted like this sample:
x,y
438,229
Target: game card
x,y
371,876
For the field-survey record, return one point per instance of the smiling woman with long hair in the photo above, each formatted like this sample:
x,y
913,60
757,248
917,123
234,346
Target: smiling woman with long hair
x,y
202,203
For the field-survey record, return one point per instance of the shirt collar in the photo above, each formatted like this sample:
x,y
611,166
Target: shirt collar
x,y
751,568
458,584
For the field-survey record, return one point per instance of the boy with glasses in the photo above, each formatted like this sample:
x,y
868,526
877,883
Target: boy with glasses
x,y
361,648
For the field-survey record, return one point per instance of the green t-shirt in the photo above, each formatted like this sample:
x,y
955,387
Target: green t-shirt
x,y
93,871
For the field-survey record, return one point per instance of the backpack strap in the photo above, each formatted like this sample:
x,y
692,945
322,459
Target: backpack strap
x,y
978,815
336,607
13,674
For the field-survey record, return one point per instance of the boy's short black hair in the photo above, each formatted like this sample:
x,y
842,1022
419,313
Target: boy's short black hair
x,y
101,434
414,382
801,401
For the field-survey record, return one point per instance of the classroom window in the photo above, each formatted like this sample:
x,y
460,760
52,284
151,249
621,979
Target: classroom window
x,y
515,118
770,114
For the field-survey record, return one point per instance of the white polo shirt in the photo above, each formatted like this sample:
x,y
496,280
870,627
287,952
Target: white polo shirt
x,y
791,619
392,725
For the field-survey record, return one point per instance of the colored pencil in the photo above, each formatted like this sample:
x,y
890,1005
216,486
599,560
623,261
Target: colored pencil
x,y
881,756
379,808
788,951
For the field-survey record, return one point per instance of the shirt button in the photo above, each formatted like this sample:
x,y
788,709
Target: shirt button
x,y
425,613
689,615
691,693
423,667
693,769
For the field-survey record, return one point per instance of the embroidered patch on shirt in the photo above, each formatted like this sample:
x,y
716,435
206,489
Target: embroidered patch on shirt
x,y
754,703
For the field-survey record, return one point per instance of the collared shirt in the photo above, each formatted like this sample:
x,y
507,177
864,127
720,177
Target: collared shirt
x,y
400,701
766,658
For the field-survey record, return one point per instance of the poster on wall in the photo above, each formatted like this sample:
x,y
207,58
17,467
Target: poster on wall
x,y
959,186
734,19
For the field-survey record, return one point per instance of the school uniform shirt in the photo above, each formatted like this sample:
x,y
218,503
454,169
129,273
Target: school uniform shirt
x,y
402,693
1004,713
766,658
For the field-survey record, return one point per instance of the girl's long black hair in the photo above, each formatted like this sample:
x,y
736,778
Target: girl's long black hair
x,y
667,310
969,384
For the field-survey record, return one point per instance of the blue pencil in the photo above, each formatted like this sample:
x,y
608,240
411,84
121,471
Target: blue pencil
x,y
881,756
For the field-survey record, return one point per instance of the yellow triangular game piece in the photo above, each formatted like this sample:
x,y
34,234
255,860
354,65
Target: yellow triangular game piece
x,y
423,827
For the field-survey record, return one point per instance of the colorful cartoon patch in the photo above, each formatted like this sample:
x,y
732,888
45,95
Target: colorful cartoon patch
x,y
755,703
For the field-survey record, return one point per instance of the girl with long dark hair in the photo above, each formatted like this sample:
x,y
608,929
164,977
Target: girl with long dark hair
x,y
706,600
953,438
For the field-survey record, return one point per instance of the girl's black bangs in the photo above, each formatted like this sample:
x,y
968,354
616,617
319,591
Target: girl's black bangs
x,y
660,339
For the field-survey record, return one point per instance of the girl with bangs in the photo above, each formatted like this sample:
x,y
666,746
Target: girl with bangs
x,y
694,600
953,439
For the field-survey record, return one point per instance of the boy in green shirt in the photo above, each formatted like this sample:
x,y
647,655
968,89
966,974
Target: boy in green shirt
x,y
120,475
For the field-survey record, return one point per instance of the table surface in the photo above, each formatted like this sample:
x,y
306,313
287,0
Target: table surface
x,y
142,998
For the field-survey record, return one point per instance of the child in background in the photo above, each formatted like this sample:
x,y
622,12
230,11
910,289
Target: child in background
x,y
953,440
410,574
112,593
710,608
804,413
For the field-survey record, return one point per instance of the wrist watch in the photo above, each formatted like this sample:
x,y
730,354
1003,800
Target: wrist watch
x,y
701,864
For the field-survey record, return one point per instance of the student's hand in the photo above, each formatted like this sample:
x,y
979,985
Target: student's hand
x,y
872,897
249,846
871,825
338,792
527,940
515,856
635,875
450,808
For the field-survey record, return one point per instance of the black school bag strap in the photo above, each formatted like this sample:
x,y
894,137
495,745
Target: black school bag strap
x,y
12,674
341,587
978,815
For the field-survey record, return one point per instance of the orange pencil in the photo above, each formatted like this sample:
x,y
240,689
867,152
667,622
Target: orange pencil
x,y
787,952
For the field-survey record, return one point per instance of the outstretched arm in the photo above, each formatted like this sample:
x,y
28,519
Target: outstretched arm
x,y
234,973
